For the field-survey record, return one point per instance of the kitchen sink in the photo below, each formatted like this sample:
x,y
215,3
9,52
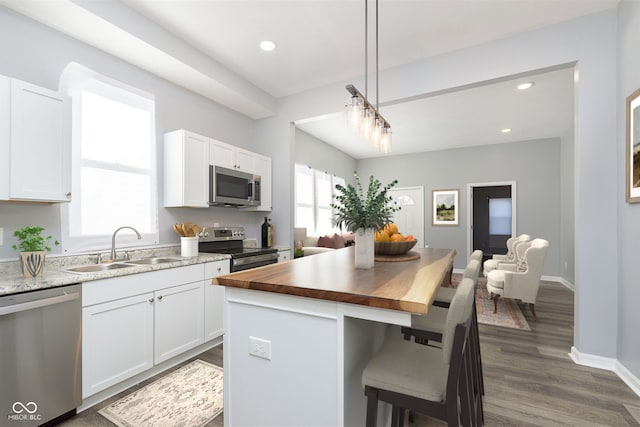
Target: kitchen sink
x,y
98,267
153,261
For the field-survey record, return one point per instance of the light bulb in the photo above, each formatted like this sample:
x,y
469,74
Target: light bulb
x,y
376,137
385,143
354,112
366,128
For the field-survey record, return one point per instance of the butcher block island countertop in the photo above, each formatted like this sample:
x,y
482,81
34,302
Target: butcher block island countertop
x,y
406,285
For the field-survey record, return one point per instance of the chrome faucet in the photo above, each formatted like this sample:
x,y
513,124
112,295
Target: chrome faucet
x,y
113,240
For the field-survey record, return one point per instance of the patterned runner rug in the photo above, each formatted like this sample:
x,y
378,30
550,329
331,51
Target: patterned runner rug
x,y
189,396
509,314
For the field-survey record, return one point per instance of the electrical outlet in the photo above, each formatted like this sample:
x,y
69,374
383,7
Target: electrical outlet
x,y
565,265
260,348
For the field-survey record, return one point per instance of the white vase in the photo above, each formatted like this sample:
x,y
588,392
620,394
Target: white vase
x,y
364,248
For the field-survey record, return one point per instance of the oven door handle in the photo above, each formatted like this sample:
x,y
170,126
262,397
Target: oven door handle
x,y
255,258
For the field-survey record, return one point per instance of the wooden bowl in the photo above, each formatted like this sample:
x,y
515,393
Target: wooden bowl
x,y
393,248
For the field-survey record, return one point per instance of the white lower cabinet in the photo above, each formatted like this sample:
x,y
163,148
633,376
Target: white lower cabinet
x,y
214,300
131,323
179,324
117,342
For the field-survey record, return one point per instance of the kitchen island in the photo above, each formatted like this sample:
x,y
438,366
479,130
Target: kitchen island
x,y
299,333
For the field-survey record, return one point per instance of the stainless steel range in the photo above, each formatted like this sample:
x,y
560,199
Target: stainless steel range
x,y
228,240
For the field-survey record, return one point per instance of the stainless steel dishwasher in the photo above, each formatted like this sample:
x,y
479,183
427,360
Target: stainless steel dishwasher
x,y
40,355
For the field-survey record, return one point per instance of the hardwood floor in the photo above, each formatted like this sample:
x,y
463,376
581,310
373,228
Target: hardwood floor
x,y
529,378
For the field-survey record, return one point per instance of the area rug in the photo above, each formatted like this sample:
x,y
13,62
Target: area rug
x,y
509,314
189,396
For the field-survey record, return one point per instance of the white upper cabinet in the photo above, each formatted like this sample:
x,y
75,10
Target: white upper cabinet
x,y
262,167
35,143
228,156
187,157
186,169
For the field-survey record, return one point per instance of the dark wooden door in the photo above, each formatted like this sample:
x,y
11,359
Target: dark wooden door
x,y
489,221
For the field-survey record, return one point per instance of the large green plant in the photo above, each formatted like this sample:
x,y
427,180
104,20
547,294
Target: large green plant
x,y
354,209
30,239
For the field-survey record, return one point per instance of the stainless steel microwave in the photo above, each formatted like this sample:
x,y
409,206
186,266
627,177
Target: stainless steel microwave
x,y
229,187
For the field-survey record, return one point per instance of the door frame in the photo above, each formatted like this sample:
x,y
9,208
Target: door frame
x,y
514,203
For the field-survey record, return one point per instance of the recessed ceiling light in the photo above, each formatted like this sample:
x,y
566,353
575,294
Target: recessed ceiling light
x,y
506,130
267,45
525,86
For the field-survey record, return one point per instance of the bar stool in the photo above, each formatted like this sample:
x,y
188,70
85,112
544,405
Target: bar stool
x,y
426,379
471,271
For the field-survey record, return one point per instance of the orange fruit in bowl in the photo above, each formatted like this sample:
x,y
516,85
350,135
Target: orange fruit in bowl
x,y
381,236
397,237
391,229
409,238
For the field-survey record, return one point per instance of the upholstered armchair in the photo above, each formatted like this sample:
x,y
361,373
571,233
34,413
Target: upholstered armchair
x,y
522,280
508,258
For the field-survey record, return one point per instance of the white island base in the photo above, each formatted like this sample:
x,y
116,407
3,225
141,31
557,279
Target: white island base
x,y
307,361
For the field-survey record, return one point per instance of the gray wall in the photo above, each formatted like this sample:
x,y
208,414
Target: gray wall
x,y
628,214
590,43
533,165
36,54
316,153
567,212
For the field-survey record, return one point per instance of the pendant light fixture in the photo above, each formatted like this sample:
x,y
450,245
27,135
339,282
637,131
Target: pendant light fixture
x,y
361,114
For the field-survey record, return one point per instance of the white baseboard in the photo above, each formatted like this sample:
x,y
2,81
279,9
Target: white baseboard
x,y
631,380
609,364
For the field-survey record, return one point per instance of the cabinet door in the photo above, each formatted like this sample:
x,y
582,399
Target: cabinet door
x,y
186,170
245,160
196,170
222,155
263,168
214,300
117,341
40,144
179,324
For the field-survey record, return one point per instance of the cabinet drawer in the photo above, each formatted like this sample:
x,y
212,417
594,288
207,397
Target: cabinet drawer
x,y
217,268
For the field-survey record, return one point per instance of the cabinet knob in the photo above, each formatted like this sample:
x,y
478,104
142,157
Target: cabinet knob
x,y
160,298
150,299
68,194
219,269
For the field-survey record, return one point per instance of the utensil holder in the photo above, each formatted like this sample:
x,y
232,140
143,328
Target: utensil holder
x,y
189,246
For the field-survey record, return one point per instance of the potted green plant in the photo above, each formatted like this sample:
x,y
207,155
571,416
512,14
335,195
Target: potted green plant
x,y
363,213
33,247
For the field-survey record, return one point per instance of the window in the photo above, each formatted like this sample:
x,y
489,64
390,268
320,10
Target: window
x,y
500,217
314,192
113,163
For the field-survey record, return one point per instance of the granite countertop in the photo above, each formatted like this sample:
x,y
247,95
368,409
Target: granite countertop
x,y
12,281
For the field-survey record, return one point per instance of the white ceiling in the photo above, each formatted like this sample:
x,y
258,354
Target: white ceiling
x,y
211,47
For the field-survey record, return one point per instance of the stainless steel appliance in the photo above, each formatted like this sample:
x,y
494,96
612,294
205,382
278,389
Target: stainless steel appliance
x,y
228,240
228,187
40,356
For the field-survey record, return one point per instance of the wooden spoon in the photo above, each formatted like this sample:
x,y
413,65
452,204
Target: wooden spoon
x,y
177,228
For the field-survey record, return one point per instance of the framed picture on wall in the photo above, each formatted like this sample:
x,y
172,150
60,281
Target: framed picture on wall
x,y
633,147
445,207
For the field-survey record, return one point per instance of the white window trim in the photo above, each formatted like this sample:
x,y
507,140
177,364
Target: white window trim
x,y
73,80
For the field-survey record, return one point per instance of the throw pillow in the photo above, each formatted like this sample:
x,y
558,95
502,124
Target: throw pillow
x,y
338,241
325,242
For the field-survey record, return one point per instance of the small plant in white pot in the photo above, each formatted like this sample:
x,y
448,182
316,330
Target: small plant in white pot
x,y
363,214
32,246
